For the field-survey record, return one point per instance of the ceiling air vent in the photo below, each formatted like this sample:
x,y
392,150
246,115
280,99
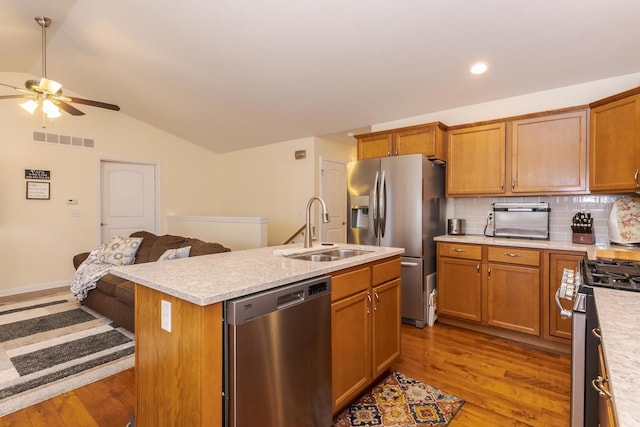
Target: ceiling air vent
x,y
70,141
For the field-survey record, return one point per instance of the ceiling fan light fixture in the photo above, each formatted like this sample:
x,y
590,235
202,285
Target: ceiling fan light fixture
x,y
50,109
50,86
30,106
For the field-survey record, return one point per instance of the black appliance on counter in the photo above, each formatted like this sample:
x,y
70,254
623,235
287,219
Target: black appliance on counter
x,y
578,286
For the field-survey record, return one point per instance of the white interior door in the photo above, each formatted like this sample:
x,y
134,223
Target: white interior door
x,y
333,190
127,199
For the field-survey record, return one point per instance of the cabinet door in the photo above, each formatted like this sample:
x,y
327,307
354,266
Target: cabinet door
x,y
549,154
460,288
476,160
428,141
606,413
513,298
386,325
559,327
615,146
350,347
375,146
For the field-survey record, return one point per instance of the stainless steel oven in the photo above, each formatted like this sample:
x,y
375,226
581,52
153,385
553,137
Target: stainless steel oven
x,y
578,286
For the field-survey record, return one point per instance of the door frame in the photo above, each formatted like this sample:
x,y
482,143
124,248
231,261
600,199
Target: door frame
x,y
156,184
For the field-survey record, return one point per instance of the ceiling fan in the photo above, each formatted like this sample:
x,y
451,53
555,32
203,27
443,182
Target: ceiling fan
x,y
47,93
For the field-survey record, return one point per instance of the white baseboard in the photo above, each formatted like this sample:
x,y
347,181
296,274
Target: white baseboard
x,y
34,288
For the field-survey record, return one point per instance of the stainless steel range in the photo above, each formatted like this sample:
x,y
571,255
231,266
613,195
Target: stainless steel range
x,y
578,287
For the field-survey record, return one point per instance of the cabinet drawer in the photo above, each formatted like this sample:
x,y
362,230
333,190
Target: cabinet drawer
x,y
385,271
513,255
455,250
349,283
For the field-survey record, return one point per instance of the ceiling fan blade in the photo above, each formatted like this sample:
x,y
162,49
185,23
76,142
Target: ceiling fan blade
x,y
16,88
69,109
94,103
14,96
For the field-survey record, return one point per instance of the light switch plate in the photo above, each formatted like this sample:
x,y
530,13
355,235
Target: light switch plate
x,y
165,315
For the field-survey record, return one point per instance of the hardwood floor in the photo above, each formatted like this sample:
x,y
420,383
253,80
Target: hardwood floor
x,y
503,383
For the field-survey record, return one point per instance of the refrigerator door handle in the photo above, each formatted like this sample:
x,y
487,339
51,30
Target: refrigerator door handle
x,y
383,204
408,264
374,199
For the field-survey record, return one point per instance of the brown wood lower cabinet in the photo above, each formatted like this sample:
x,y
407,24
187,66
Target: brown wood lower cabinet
x,y
460,288
606,413
506,291
556,328
513,297
365,326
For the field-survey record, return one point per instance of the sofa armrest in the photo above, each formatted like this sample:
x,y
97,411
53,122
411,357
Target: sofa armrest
x,y
79,259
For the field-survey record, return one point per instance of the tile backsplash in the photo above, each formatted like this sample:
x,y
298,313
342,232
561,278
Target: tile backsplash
x,y
563,208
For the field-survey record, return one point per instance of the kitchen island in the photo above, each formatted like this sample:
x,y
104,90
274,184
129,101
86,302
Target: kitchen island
x,y
179,352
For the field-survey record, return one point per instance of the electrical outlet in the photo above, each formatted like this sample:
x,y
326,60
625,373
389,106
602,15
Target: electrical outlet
x,y
490,218
165,315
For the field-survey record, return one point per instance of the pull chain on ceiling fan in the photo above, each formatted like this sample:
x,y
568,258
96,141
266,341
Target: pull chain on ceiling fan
x,y
48,93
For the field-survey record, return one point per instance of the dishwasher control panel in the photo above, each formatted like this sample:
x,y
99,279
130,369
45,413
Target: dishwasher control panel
x,y
244,309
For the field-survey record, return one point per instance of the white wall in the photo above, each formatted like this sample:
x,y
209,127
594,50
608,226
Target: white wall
x,y
268,182
39,237
568,96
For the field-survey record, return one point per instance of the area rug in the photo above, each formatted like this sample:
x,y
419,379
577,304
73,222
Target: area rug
x,y
400,401
53,345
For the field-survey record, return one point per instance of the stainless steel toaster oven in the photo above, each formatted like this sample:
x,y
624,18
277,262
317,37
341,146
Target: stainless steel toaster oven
x,y
521,220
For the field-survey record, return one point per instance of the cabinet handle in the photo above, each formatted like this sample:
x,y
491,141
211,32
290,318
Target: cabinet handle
x,y
478,269
396,151
489,272
389,152
596,332
375,306
635,178
502,185
511,254
457,250
513,184
369,304
597,383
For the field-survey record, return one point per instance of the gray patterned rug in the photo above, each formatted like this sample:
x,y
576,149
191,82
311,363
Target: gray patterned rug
x,y
52,345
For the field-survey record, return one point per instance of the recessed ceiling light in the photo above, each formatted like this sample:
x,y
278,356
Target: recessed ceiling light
x,y
479,68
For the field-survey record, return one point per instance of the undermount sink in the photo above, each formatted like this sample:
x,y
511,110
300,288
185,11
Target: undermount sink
x,y
330,255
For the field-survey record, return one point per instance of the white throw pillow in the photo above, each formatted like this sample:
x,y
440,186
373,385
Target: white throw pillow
x,y
175,253
120,250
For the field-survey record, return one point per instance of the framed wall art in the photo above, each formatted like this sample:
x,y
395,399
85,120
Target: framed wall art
x,y
37,190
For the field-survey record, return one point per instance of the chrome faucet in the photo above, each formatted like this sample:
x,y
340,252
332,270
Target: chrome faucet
x,y
307,226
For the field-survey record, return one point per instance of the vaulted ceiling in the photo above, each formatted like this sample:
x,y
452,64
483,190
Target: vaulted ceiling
x,y
232,74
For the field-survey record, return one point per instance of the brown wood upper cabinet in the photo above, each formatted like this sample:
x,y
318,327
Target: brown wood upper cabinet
x,y
615,143
541,154
427,139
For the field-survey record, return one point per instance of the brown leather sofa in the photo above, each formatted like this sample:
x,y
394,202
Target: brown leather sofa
x,y
114,296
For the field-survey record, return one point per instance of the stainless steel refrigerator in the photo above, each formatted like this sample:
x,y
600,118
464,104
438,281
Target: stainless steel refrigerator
x,y
399,202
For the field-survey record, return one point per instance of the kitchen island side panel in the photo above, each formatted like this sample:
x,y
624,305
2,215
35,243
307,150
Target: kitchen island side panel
x,y
178,373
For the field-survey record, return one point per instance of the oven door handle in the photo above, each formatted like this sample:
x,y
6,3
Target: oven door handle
x,y
564,313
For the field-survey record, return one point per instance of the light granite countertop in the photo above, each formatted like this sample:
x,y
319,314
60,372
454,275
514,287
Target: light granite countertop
x,y
208,279
593,251
619,317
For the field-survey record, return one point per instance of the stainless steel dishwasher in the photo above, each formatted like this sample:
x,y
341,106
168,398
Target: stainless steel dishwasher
x,y
278,357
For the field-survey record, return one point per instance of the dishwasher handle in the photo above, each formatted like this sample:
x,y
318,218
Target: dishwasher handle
x,y
288,300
